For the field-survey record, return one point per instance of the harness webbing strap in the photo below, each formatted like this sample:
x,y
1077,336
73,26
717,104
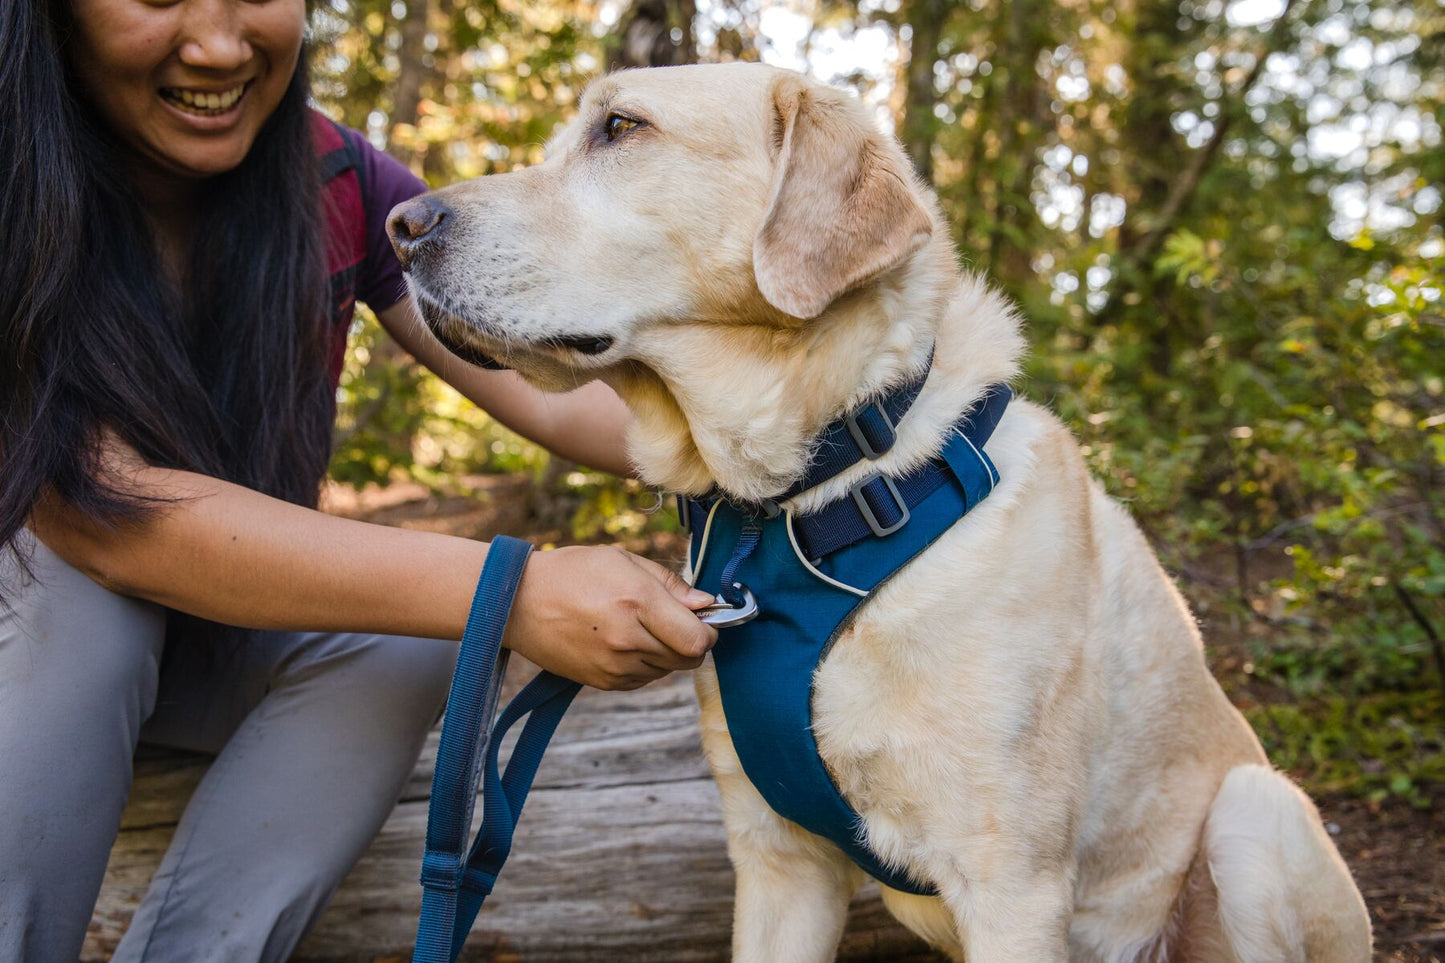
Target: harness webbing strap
x,y
842,523
453,889
864,433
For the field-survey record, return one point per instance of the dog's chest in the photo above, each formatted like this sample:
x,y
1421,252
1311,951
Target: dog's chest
x,y
914,680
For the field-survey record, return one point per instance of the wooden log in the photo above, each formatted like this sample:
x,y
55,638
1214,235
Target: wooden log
x,y
620,854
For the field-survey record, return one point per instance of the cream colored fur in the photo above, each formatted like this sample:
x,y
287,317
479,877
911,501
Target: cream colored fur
x,y
1023,715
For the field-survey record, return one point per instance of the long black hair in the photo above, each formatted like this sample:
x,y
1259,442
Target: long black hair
x,y
228,378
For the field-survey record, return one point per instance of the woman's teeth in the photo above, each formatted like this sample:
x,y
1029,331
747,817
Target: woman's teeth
x,y
200,102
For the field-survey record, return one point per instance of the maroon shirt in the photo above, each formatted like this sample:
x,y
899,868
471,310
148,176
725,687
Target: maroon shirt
x,y
385,183
360,187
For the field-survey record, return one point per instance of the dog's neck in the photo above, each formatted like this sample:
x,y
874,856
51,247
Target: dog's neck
x,y
739,406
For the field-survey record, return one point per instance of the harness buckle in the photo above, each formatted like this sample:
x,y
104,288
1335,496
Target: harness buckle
x,y
861,500
684,514
722,614
860,435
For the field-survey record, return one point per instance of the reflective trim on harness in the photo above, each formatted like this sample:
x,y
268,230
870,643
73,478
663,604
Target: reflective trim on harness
x,y
803,560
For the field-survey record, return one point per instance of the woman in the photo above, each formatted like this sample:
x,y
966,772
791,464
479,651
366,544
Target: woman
x,y
165,416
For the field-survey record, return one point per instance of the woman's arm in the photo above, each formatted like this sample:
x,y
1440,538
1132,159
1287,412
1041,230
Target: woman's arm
x,y
585,425
226,553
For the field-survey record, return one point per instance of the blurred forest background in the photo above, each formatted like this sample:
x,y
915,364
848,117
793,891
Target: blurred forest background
x,y
1222,219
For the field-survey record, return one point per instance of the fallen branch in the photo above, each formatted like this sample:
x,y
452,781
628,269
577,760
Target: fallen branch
x,y
1435,645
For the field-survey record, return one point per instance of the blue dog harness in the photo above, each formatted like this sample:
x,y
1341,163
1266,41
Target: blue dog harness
x,y
810,574
812,571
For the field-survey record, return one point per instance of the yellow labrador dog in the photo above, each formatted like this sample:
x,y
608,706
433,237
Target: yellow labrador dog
x,y
1022,716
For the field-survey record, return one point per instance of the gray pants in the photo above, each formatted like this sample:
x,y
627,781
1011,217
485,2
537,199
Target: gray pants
x,y
315,735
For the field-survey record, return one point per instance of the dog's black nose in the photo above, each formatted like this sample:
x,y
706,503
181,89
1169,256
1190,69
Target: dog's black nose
x,y
416,225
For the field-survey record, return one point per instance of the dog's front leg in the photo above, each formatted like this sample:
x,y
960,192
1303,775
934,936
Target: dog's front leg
x,y
1019,912
793,888
792,900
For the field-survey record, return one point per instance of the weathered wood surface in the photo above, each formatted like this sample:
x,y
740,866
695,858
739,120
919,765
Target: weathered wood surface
x,y
620,854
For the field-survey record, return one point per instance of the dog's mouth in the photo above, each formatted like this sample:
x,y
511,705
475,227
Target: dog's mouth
x,y
449,330
589,344
467,352
444,325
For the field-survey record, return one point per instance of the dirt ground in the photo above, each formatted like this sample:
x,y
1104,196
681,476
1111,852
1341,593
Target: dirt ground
x,y
1397,853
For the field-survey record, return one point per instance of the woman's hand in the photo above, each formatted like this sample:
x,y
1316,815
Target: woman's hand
x,y
607,618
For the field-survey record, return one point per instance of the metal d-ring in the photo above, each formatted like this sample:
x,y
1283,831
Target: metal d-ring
x,y
722,614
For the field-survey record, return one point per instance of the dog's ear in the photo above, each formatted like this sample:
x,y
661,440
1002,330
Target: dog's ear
x,y
841,209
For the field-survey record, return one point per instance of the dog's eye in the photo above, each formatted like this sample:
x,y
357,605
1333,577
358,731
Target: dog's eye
x,y
618,124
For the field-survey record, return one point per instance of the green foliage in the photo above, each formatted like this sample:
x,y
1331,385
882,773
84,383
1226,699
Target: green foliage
x,y
494,77
396,421
611,509
1380,745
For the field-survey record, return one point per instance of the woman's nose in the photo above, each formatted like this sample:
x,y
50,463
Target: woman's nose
x,y
212,36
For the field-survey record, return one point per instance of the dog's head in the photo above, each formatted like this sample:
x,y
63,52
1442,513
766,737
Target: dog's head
x,y
716,242
735,194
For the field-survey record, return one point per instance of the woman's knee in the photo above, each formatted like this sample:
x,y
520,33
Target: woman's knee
x,y
71,648
401,673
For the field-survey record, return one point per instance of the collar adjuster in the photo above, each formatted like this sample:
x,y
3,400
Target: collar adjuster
x,y
871,430
763,508
868,494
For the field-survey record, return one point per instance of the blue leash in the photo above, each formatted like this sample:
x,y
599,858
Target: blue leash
x,y
453,888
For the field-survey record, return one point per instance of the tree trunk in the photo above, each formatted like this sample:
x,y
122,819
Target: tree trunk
x,y
411,70
1023,33
1172,173
655,33
920,126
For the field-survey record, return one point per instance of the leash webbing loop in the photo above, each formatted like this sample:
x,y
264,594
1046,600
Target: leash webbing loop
x,y
453,889
748,540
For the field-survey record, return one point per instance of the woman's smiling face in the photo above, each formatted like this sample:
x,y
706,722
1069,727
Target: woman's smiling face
x,y
187,84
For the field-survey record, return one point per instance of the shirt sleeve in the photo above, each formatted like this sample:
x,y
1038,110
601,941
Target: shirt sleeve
x,y
385,183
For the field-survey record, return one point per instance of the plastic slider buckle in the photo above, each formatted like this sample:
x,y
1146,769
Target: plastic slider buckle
x,y
684,514
861,500
860,437
764,508
440,870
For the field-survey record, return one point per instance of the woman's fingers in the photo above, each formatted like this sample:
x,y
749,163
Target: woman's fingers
x,y
675,626
675,663
675,584
606,618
